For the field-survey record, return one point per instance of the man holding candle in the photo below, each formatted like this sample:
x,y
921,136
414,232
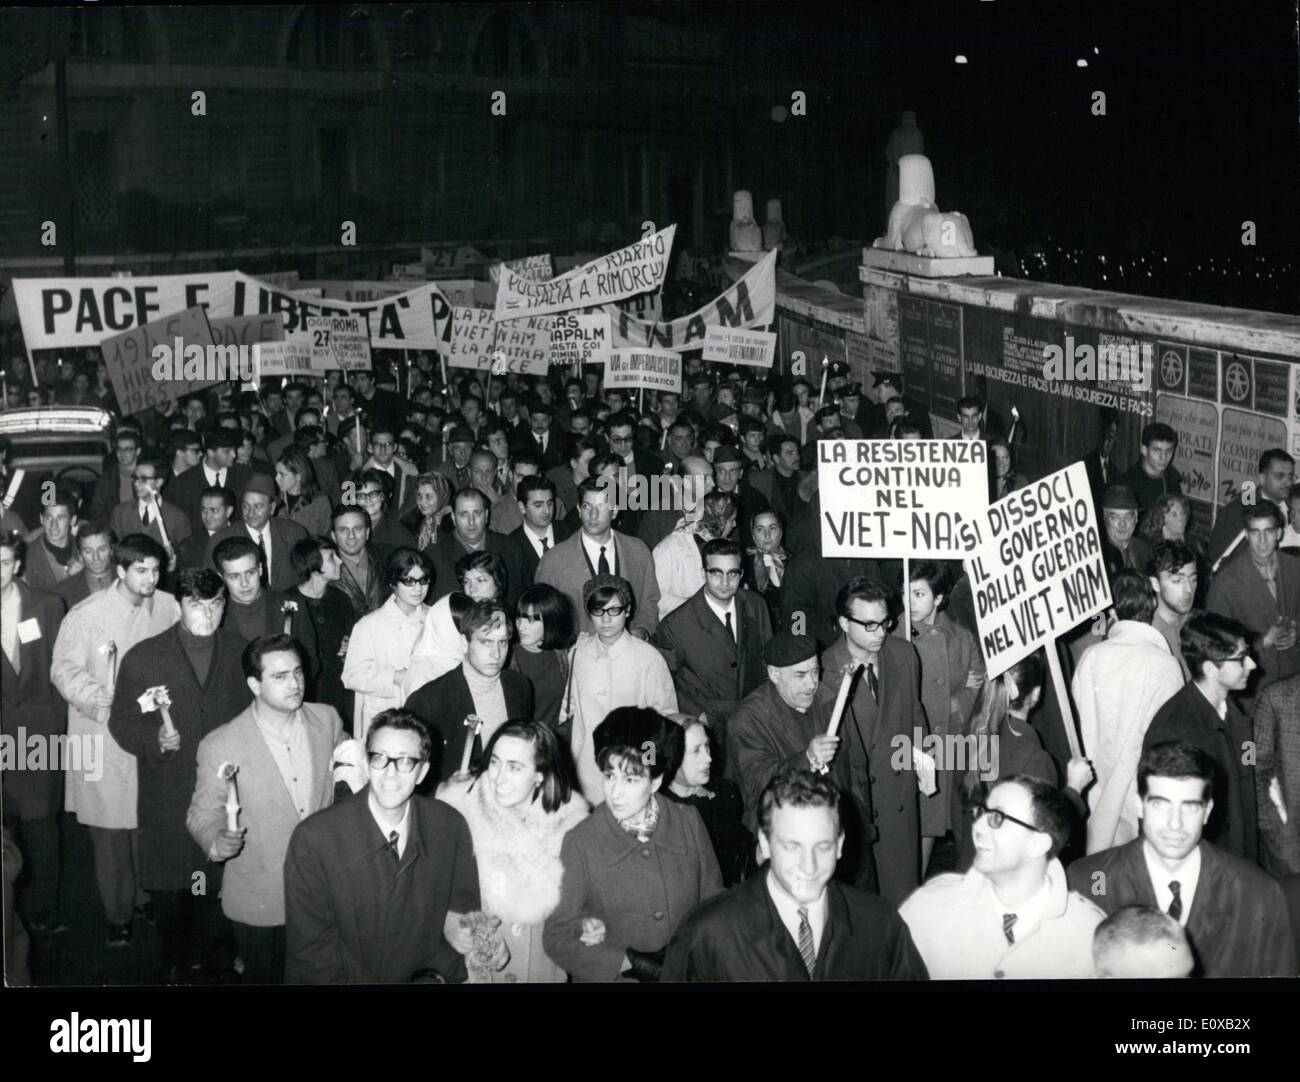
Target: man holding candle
x,y
883,712
198,663
95,636
282,748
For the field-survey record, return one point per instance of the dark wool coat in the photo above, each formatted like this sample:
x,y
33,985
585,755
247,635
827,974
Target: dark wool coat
x,y
29,701
444,704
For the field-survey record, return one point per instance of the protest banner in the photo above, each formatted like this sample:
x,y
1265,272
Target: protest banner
x,y
657,369
450,257
473,336
287,358
409,272
647,307
578,339
131,359
341,342
525,344
460,292
1036,570
354,291
535,268
748,302
733,345
638,268
485,295
247,330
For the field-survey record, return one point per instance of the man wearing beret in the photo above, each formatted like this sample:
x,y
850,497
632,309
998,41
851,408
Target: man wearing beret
x,y
782,724
274,536
1121,546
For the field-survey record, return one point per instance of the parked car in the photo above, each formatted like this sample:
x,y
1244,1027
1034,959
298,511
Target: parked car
x,y
65,444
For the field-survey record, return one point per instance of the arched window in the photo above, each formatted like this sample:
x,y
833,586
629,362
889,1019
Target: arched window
x,y
333,37
505,47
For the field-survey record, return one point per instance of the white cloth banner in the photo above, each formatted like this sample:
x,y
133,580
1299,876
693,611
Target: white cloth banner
x,y
638,268
536,268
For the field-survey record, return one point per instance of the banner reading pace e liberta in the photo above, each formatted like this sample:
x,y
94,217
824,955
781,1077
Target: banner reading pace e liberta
x,y
80,312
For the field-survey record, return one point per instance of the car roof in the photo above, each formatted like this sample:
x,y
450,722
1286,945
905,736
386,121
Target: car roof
x,y
62,420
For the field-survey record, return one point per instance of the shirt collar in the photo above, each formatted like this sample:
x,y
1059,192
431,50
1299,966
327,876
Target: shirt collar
x,y
722,610
787,906
403,828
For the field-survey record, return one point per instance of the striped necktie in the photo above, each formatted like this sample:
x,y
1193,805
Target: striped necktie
x,y
1008,919
806,949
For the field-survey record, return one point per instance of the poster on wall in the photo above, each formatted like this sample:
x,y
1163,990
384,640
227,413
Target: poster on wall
x,y
930,346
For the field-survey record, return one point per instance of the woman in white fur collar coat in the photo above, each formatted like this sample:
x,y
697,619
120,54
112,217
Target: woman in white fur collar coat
x,y
519,807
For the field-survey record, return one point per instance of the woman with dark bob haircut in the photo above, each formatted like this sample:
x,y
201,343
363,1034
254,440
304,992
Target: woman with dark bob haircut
x,y
441,646
545,622
616,915
519,804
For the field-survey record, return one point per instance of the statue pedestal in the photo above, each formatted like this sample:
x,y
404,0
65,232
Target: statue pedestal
x,y
925,266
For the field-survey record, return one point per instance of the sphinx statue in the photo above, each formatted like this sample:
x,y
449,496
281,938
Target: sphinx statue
x,y
774,228
916,225
746,235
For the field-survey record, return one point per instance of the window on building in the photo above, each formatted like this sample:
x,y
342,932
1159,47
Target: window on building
x,y
95,178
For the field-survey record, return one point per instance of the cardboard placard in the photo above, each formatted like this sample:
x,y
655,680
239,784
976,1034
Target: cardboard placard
x,y
580,338
733,345
535,268
291,358
656,369
473,337
134,357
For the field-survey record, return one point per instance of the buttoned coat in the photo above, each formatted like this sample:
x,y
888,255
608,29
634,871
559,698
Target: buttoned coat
x,y
125,520
186,492
1277,746
640,890
29,704
168,855
521,558
565,567
105,794
252,883
1238,925
1239,591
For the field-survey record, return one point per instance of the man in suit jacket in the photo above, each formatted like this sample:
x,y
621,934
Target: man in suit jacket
x,y
1260,587
216,512
1205,715
539,437
276,790
51,553
218,468
598,549
369,882
401,474
199,663
885,706
30,706
620,430
1277,744
713,642
478,686
1276,477
109,489
536,536
95,550
275,536
381,407
1121,547
1235,916
149,513
811,586
1102,471
469,533
786,925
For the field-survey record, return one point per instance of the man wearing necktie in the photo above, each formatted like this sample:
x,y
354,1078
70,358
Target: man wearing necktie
x,y
1234,914
149,513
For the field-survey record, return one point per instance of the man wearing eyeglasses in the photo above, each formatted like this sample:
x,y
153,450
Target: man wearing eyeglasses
x,y
621,429
283,749
883,714
383,456
374,494
378,917
1013,914
148,513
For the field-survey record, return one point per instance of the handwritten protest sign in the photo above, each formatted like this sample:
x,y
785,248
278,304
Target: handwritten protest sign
x,y
638,268
580,339
449,257
525,344
900,498
337,342
247,330
131,358
473,336
1036,567
536,268
656,369
733,345
291,358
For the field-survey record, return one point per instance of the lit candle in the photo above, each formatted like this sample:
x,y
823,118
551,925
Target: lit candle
x,y
227,772
474,724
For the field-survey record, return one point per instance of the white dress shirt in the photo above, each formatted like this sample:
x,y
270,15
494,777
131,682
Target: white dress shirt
x,y
536,542
214,477
787,908
721,612
403,828
593,553
1187,876
255,536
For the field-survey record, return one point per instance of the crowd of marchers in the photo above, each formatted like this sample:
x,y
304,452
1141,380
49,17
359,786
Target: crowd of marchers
x,y
418,696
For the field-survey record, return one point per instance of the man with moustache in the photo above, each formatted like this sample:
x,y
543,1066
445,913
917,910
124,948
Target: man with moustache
x,y
378,917
197,661
1173,576
1234,914
283,748
274,536
92,642
792,922
95,551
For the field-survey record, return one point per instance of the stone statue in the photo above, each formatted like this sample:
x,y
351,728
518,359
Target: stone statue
x,y
774,229
905,139
916,225
746,236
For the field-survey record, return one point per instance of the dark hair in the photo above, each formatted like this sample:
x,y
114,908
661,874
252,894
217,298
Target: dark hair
x,y
1176,759
1133,926
596,484
615,588
350,509
484,616
556,787
227,496
182,440
255,651
295,460
1207,636
862,588
559,624
634,738
720,546
488,562
221,439
968,402
152,458
717,508
139,546
12,539
87,528
1263,509
67,498
934,574
372,476
826,412
465,493
750,424
1049,810
1168,557
779,440
525,458
199,583
904,426
1274,454
306,435
621,419
1132,596
797,787
401,721
1158,430
236,548
579,445
535,483
400,561
305,556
